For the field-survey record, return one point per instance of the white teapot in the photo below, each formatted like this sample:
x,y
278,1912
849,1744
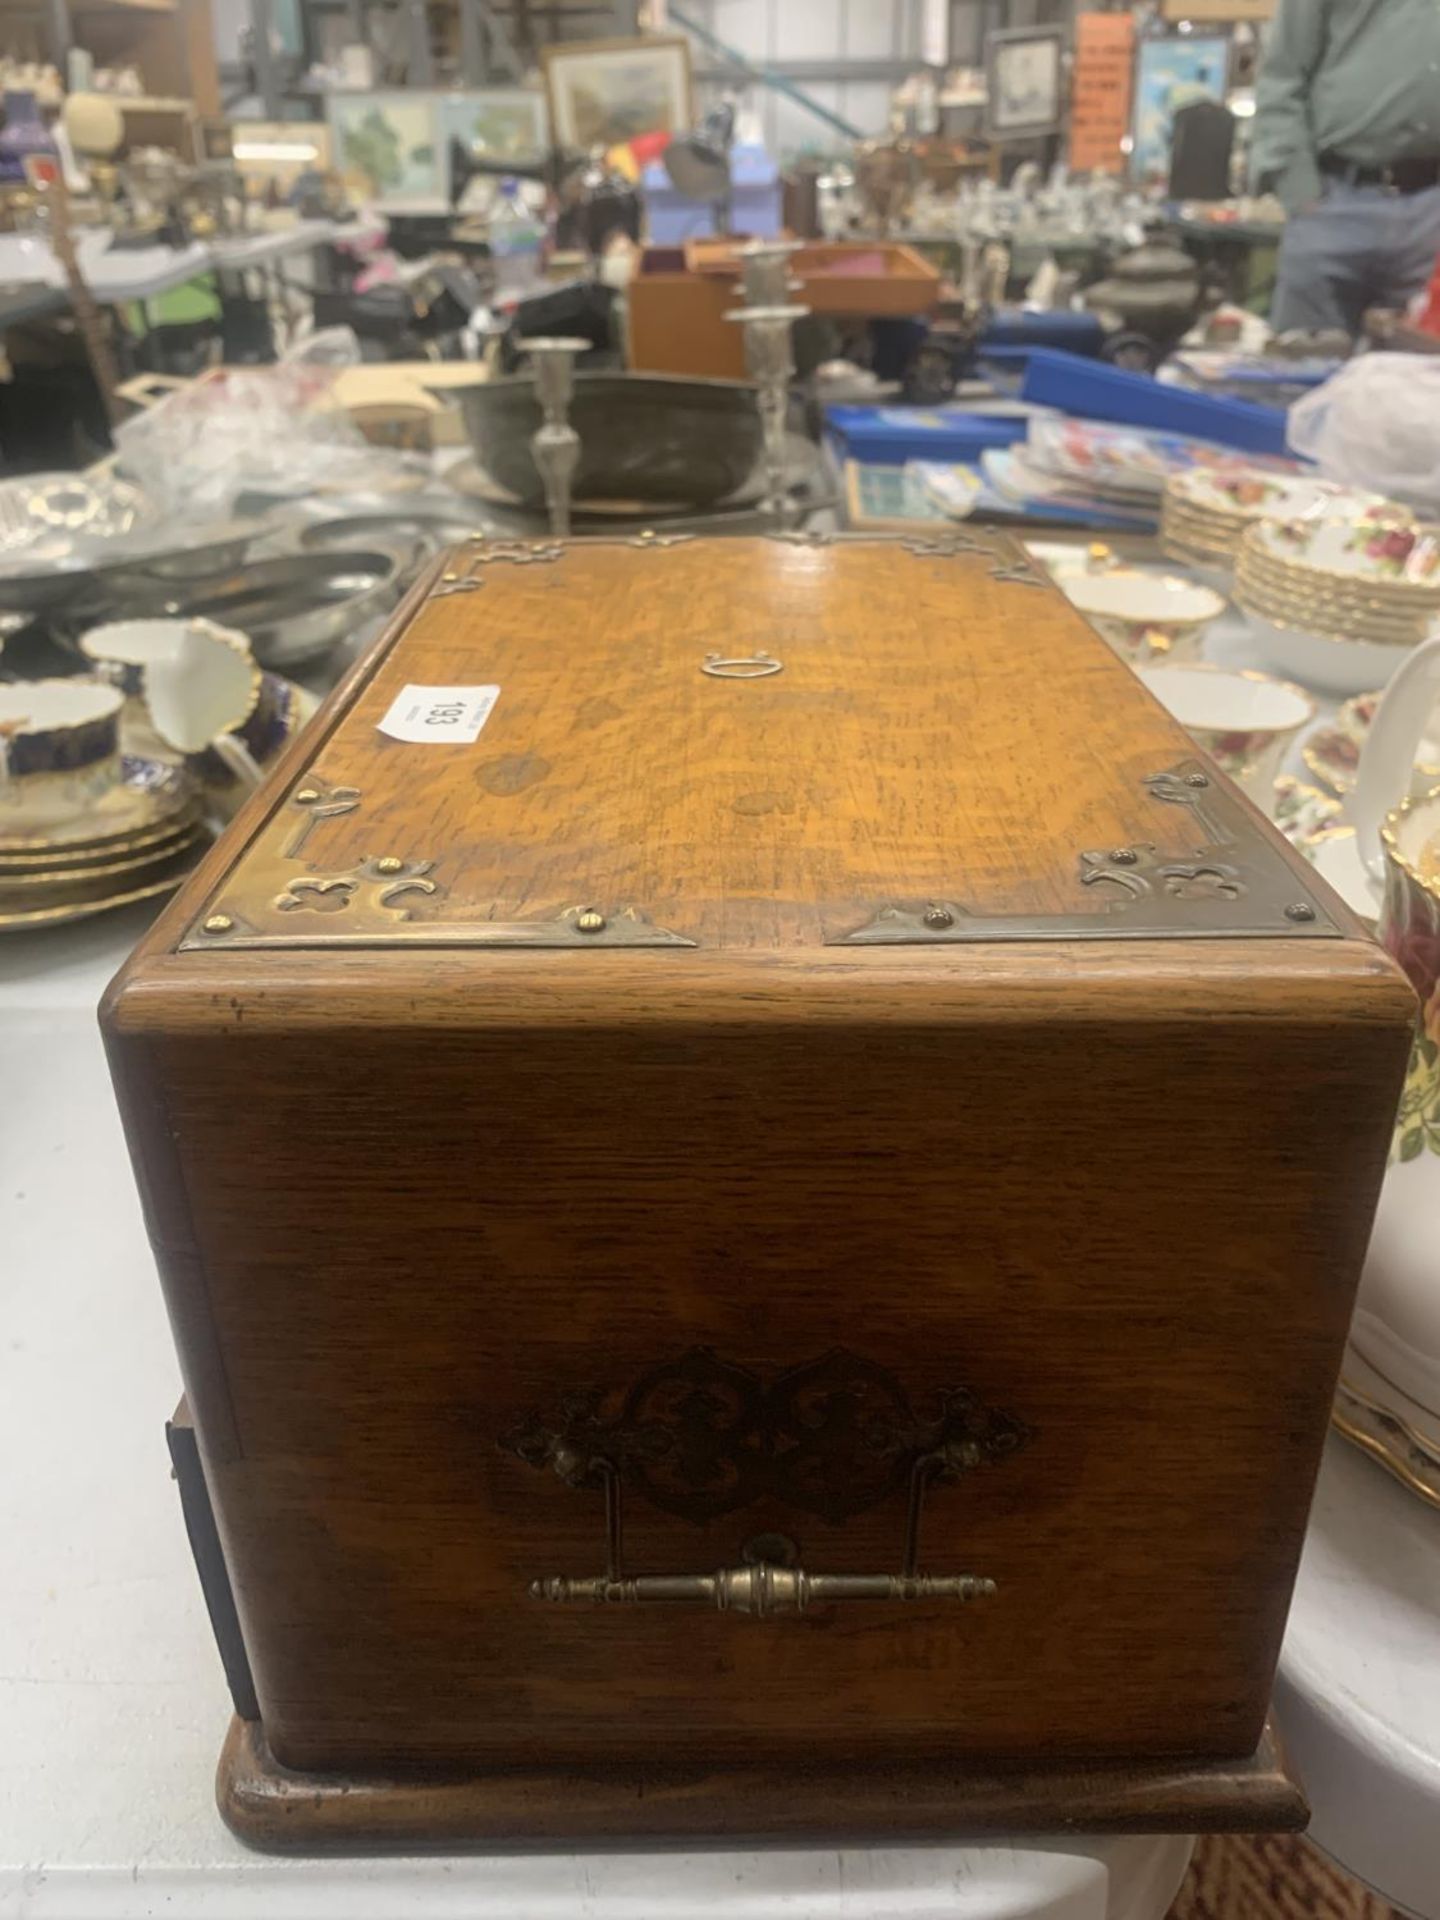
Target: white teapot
x,y
1389,1396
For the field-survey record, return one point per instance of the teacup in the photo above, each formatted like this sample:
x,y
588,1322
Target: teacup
x,y
1245,721
200,694
1146,617
121,650
59,750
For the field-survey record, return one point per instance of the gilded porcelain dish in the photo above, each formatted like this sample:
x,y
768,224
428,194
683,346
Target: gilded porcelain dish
x,y
66,875
1242,494
79,905
1399,1435
84,859
148,794
1304,814
1379,618
1245,721
1332,662
1332,753
1393,565
59,751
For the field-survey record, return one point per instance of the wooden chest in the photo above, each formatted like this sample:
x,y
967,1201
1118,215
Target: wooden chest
x,y
759,1224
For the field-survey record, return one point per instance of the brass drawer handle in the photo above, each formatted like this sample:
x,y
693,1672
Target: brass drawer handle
x,y
702,1437
763,1589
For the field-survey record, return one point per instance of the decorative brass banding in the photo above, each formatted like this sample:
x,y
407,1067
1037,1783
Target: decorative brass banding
x,y
1232,884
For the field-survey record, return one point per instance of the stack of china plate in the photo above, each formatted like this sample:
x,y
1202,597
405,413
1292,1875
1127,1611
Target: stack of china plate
x,y
1204,513
136,842
1338,602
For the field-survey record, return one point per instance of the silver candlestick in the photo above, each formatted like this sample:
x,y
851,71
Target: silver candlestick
x,y
770,357
556,446
766,268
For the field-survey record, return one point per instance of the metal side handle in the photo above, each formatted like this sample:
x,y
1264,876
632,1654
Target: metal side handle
x,y
762,1589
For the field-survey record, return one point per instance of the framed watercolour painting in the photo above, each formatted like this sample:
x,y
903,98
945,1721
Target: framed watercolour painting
x,y
1023,67
604,92
502,123
387,151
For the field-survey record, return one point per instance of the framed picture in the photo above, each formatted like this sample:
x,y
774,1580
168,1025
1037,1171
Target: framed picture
x,y
603,92
504,123
1023,68
386,148
1169,74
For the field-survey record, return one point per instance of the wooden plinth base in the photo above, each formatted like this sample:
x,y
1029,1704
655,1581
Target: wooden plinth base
x,y
279,1810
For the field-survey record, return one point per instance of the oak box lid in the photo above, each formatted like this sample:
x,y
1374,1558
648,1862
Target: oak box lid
x,y
765,745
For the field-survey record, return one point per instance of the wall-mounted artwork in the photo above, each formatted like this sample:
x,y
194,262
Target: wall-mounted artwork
x,y
387,150
1024,82
1169,75
603,92
502,123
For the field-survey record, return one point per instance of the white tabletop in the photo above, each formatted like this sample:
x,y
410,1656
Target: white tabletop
x,y
141,273
112,1701
1359,1694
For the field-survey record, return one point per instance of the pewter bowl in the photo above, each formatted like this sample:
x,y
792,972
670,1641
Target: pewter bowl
x,y
424,529
208,551
293,608
650,437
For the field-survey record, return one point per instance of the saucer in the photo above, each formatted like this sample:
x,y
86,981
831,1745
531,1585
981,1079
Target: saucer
x,y
1398,1433
150,795
126,860
1315,823
85,897
1332,753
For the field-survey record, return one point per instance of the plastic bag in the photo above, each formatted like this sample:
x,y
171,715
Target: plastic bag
x,y
1376,424
255,430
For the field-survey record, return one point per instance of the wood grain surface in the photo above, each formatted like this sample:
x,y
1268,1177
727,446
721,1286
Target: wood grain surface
x,y
402,1197
935,732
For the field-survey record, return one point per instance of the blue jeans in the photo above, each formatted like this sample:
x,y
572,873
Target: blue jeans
x,y
1358,247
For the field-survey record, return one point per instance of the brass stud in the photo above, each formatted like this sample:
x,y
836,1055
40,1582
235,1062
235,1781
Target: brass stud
x,y
590,921
1299,911
1124,857
1197,780
390,863
307,796
219,923
449,578
646,533
939,918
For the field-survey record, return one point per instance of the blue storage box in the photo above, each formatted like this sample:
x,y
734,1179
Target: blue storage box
x,y
889,436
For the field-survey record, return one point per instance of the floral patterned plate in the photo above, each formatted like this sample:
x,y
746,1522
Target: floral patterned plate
x,y
1332,753
1251,493
1303,813
1370,556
